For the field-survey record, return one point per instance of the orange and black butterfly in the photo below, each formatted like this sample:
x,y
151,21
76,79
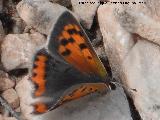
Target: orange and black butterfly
x,y
67,68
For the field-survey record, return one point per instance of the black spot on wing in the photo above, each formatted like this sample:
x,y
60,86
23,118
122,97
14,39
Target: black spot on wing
x,y
66,52
74,31
89,57
71,40
64,42
82,46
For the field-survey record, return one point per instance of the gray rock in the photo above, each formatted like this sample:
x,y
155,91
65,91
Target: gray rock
x,y
117,41
133,58
1,5
9,118
20,54
46,12
1,32
142,72
11,97
19,25
66,3
5,82
85,12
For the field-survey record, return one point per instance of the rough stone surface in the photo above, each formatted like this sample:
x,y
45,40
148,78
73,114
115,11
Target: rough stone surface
x,y
86,12
24,90
97,107
5,82
1,32
134,58
1,5
9,118
11,97
1,118
66,3
19,25
142,68
20,54
141,19
117,40
46,12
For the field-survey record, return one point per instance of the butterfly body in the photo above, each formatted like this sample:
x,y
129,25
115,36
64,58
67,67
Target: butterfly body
x,y
67,68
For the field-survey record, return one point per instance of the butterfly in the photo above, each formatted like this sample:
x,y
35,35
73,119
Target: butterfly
x,y
67,68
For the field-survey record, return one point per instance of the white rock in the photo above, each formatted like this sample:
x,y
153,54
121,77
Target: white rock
x,y
142,72
134,59
11,97
1,118
20,54
46,12
117,40
141,19
24,89
86,11
9,118
5,82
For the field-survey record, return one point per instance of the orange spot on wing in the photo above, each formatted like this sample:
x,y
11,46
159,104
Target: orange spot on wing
x,y
77,28
40,108
78,38
61,48
66,35
68,27
39,78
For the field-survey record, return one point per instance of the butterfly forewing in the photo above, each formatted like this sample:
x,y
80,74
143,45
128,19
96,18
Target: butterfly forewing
x,y
69,41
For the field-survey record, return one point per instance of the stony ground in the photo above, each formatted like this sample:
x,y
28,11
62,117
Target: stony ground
x,y
126,36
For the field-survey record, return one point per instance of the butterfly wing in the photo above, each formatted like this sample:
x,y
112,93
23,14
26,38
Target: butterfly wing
x,y
69,69
69,41
56,83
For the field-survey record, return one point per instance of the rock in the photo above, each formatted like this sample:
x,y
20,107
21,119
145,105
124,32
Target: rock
x,y
19,25
1,32
66,3
86,11
46,12
95,106
9,118
133,58
20,54
142,68
11,97
1,5
5,82
140,19
24,89
117,41
1,118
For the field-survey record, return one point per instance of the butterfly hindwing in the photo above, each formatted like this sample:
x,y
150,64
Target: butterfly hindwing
x,y
52,79
69,42
80,91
